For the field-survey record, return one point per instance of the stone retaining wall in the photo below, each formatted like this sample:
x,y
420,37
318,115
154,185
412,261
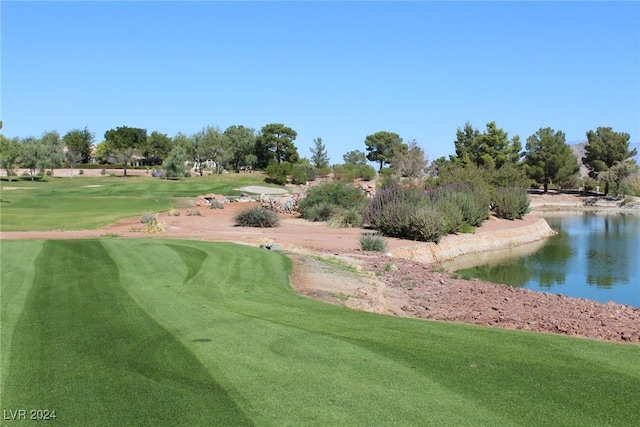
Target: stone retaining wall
x,y
451,247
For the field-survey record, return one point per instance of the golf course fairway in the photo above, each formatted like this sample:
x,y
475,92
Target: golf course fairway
x,y
132,332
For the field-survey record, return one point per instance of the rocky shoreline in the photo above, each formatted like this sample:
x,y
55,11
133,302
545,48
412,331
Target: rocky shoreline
x,y
410,282
422,292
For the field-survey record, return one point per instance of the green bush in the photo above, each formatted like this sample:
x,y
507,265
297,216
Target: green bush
x,y
298,176
257,217
309,171
347,218
278,172
510,202
509,175
351,171
340,194
373,242
412,213
451,213
426,225
472,202
321,212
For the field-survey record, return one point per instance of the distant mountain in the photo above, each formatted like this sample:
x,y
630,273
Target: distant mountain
x,y
578,150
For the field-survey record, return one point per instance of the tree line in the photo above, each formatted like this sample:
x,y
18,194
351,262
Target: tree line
x,y
545,160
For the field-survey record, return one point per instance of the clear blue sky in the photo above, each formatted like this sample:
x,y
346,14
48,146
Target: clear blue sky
x,y
335,70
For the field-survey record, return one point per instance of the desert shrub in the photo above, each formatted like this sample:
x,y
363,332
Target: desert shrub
x,y
340,194
151,223
472,202
474,205
194,212
351,171
509,175
410,213
373,242
81,172
347,218
298,176
216,204
510,202
174,212
393,196
257,217
148,217
426,225
321,212
588,184
451,213
474,176
366,172
278,172
153,227
309,171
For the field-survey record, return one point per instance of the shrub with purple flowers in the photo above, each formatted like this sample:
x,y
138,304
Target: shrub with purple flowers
x,y
427,215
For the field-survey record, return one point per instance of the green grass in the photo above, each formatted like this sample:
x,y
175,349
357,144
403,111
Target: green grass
x,y
88,203
161,332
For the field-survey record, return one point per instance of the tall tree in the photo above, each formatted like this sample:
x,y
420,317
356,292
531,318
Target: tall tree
x,y
491,148
53,149
33,155
158,147
218,148
9,154
275,143
618,172
319,156
72,158
605,148
382,146
468,150
241,142
411,163
174,164
102,153
355,157
79,142
125,142
197,151
548,158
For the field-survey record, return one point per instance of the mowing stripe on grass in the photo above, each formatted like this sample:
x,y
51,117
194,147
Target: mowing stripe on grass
x,y
83,347
276,358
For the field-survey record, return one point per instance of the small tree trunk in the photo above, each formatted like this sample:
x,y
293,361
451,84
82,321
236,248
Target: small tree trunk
x,y
546,187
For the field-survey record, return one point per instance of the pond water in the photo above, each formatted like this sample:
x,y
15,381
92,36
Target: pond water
x,y
594,256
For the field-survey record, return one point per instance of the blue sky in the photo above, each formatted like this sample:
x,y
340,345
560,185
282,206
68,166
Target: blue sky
x,y
335,70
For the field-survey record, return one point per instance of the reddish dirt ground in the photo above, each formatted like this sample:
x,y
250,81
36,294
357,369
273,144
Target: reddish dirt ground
x,y
389,285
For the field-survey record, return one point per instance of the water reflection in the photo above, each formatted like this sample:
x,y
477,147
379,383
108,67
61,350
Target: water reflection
x,y
593,256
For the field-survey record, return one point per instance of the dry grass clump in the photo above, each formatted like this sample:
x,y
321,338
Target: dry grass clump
x,y
257,217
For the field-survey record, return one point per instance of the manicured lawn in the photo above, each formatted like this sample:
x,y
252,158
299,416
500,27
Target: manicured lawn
x,y
162,332
89,203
